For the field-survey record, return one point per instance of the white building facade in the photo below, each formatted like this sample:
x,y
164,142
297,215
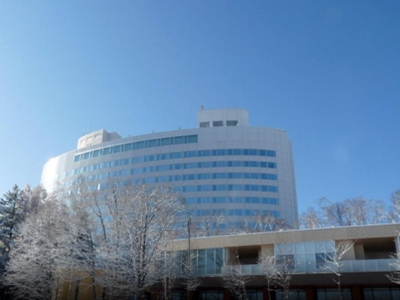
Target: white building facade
x,y
224,167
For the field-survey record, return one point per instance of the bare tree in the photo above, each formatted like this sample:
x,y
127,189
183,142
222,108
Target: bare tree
x,y
284,268
140,219
189,279
262,223
395,264
234,278
267,262
354,211
35,260
208,225
83,238
363,211
394,212
311,219
335,213
11,217
33,198
333,258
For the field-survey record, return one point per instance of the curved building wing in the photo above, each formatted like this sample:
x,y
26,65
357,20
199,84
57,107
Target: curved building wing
x,y
222,168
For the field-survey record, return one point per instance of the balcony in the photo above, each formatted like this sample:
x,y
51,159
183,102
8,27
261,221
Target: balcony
x,y
348,266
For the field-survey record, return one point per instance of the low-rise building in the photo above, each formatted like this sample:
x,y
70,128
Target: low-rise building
x,y
313,259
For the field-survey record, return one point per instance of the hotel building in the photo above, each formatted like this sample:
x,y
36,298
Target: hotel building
x,y
224,167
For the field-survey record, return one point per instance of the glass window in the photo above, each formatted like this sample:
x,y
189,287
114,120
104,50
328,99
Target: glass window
x,y
77,158
177,154
204,124
106,165
140,145
271,153
86,155
165,141
273,201
231,123
254,187
124,161
137,159
211,295
117,149
238,212
204,153
210,261
333,294
153,143
191,153
201,262
253,164
220,152
294,295
162,156
218,123
236,152
96,153
106,151
179,140
128,147
238,163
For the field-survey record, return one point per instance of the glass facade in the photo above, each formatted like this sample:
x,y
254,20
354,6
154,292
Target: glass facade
x,y
378,293
293,295
200,153
205,262
245,171
333,294
307,257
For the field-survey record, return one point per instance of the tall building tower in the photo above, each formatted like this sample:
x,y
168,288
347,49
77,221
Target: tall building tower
x,y
222,167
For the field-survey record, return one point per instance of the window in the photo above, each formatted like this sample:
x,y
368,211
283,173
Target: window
x,y
272,165
218,123
204,124
140,145
285,260
211,295
96,153
153,143
328,294
106,151
128,147
294,295
165,141
191,153
231,123
117,149
179,140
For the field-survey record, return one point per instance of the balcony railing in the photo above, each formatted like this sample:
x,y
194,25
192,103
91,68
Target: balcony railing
x,y
347,266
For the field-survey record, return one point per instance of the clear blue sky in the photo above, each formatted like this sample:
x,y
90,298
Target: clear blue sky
x,y
326,71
